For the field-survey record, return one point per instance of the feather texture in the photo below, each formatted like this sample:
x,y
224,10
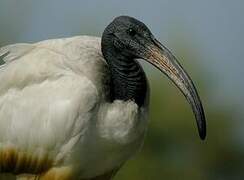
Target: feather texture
x,y
54,112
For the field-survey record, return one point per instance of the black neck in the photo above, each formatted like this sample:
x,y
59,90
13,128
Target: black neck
x,y
128,80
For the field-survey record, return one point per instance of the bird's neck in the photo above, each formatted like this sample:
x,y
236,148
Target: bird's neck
x,y
128,80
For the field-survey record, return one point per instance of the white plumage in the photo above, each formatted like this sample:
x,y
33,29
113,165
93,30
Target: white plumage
x,y
76,108
52,105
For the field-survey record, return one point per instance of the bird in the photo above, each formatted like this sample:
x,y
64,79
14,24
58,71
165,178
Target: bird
x,y
77,107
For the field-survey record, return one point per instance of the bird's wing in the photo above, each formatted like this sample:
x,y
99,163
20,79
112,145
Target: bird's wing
x,y
15,51
47,101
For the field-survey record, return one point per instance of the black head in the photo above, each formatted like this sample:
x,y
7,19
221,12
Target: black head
x,y
129,38
127,35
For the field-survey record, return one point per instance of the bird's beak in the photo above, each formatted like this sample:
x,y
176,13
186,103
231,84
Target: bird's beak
x,y
160,57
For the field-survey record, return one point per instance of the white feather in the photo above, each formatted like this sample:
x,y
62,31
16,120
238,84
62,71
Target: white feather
x,y
52,100
15,51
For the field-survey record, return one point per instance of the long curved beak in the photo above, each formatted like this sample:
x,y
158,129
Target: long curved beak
x,y
160,57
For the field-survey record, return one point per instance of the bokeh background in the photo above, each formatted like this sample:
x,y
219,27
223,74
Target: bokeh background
x,y
206,36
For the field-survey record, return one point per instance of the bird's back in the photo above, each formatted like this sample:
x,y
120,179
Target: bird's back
x,y
48,94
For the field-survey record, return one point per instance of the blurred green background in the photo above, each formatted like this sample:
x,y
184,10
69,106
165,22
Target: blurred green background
x,y
206,36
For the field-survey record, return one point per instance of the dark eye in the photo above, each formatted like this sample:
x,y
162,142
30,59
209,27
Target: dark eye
x,y
131,32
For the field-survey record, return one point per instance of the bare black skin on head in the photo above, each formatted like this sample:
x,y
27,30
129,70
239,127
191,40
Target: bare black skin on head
x,y
126,39
128,78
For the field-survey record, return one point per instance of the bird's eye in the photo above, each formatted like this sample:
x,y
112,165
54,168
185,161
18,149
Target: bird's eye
x,y
131,32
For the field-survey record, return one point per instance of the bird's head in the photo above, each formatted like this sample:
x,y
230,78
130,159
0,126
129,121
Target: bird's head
x,y
131,38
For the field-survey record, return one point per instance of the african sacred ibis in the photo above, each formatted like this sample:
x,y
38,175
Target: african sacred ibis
x,y
76,108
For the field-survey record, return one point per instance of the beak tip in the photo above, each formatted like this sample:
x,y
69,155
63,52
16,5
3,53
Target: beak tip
x,y
202,130
203,135
200,119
